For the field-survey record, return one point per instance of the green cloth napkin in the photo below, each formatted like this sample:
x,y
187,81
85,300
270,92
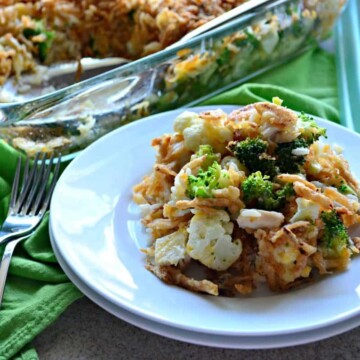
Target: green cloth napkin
x,y
38,291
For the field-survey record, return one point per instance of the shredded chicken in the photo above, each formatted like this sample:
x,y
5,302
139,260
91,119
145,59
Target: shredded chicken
x,y
274,122
259,219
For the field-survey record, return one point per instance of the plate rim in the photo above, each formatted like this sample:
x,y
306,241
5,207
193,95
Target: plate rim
x,y
174,333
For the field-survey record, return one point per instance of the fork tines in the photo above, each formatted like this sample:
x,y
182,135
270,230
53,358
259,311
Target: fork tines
x,y
38,182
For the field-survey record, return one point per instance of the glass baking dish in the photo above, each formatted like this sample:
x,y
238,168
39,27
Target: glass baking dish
x,y
186,74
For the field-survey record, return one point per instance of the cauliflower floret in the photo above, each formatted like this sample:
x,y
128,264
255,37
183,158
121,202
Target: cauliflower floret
x,y
178,191
205,128
185,120
210,240
170,249
306,210
235,170
269,35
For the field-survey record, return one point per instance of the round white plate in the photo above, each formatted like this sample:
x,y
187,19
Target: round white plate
x,y
97,231
230,342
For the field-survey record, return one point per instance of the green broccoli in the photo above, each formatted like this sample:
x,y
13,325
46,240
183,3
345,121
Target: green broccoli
x,y
210,156
346,189
203,184
205,150
253,153
309,129
258,191
224,58
286,160
285,193
335,236
43,46
343,189
251,37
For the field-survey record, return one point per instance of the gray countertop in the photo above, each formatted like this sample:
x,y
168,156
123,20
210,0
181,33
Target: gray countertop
x,y
85,331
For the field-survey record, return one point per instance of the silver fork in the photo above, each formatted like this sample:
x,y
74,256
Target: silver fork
x,y
28,205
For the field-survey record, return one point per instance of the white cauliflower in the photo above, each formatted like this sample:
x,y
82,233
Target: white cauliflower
x,y
205,128
269,35
210,240
306,210
235,170
178,191
170,249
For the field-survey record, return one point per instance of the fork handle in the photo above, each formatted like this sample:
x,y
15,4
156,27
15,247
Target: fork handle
x,y
5,263
5,237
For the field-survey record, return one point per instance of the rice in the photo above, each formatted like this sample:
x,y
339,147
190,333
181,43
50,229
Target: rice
x,y
48,31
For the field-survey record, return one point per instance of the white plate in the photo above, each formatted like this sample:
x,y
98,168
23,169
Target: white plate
x,y
98,234
230,342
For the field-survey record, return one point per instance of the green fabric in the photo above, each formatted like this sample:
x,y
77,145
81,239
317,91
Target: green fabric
x,y
307,84
27,353
38,292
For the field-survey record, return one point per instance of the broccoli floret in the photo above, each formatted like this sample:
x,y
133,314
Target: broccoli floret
x,y
205,150
286,160
309,129
343,189
252,153
285,193
335,236
210,156
258,191
203,184
346,189
43,46
252,38
224,58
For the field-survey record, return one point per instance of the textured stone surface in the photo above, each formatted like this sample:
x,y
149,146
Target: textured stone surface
x,y
86,332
